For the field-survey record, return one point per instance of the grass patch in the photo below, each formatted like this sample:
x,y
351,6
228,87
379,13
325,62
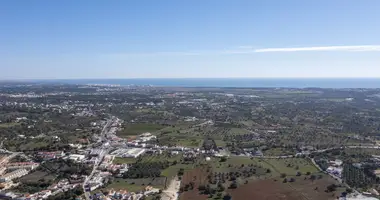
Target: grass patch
x,y
8,125
238,131
291,166
278,152
36,176
190,142
173,170
220,143
119,160
136,185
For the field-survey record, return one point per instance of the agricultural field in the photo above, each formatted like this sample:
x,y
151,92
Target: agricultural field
x,y
137,129
135,185
8,125
249,178
172,171
36,176
191,181
160,157
119,160
291,166
279,152
300,189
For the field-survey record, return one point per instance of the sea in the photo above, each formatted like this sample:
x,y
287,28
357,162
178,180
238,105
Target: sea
x,y
234,82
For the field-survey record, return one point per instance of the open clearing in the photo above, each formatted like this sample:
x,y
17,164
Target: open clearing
x,y
7,125
277,190
291,166
34,177
136,129
119,160
198,176
135,185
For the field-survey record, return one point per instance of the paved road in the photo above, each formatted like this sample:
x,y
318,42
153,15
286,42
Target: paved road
x,y
100,158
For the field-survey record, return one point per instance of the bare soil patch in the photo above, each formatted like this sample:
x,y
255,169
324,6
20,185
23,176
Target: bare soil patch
x,y
195,177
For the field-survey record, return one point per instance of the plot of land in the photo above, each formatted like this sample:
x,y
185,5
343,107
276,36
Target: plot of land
x,y
7,125
197,176
277,190
34,177
279,152
135,185
136,129
119,160
173,170
291,166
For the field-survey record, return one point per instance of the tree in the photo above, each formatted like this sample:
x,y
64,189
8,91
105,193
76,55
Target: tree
x,y
283,175
285,180
221,188
181,171
331,188
233,185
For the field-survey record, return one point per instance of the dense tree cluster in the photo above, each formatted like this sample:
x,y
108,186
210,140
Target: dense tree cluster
x,y
146,169
356,177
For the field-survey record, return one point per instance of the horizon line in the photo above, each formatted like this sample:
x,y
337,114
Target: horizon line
x,y
48,79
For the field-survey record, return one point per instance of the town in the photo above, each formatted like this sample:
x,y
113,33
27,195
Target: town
x,y
142,142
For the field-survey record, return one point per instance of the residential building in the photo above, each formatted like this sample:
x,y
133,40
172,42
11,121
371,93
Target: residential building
x,y
12,175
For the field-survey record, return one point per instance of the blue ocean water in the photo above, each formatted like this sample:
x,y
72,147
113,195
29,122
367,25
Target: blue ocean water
x,y
236,82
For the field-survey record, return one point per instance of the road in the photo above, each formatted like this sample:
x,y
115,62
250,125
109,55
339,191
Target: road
x,y
100,157
171,193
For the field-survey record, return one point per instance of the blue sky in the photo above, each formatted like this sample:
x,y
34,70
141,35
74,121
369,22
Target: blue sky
x,y
197,38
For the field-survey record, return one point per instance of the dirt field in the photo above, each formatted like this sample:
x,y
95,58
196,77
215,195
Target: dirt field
x,y
277,190
199,177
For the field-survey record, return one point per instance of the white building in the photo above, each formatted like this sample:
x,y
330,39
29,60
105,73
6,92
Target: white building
x,y
12,175
22,165
77,157
133,153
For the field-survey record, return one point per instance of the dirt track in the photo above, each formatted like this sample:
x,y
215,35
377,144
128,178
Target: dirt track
x,y
171,193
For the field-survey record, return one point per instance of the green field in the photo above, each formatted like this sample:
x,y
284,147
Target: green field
x,y
278,152
173,170
190,142
290,166
7,125
238,131
119,160
137,129
135,185
220,143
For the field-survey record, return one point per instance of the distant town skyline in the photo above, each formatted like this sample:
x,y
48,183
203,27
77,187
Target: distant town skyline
x,y
196,39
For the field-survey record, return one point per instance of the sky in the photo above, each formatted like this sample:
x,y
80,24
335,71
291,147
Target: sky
x,y
75,39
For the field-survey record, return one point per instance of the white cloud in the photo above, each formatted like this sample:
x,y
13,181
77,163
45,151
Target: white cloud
x,y
323,48
252,50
